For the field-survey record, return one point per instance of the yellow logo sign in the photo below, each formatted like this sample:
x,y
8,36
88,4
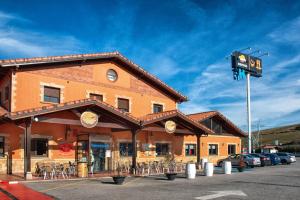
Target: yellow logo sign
x,y
89,119
170,126
242,58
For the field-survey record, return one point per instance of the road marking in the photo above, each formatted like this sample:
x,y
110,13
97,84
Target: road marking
x,y
218,194
63,186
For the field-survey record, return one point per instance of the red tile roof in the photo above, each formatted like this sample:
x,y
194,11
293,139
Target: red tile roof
x,y
202,116
96,56
70,105
199,117
152,118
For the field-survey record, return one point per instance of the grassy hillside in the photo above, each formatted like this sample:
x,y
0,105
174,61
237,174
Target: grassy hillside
x,y
285,134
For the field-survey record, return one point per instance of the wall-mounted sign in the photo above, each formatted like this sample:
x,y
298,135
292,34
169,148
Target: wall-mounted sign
x,y
247,63
89,119
170,126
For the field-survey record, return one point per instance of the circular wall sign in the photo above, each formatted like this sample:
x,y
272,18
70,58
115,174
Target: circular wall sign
x,y
170,126
89,119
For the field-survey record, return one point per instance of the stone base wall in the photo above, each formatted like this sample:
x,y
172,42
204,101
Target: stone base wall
x,y
3,165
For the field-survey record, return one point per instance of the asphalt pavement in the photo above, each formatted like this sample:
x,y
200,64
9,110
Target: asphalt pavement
x,y
268,183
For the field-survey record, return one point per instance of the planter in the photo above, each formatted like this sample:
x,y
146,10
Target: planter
x,y
119,180
171,176
241,169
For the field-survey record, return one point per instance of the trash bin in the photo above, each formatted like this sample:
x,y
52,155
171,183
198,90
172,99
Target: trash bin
x,y
209,169
82,169
190,170
227,167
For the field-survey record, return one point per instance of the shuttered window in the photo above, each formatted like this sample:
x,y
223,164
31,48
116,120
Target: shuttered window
x,y
96,96
123,104
51,94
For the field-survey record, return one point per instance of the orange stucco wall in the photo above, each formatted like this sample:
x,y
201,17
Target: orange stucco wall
x,y
76,82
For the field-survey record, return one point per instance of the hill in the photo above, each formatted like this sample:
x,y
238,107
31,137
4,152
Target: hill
x,y
285,135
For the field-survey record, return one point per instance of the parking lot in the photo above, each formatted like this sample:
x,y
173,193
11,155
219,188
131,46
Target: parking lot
x,y
275,182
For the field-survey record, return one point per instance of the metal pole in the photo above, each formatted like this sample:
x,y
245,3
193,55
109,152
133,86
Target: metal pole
x,y
249,113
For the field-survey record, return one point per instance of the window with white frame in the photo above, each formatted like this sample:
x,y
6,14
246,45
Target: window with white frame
x,y
190,149
231,149
213,149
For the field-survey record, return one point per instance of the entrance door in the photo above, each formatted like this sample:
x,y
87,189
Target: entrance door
x,y
98,151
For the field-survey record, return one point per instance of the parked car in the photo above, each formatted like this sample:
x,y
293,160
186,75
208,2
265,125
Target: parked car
x,y
285,158
275,160
264,160
249,160
293,157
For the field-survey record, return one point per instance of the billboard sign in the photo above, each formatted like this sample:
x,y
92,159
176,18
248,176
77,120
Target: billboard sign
x,y
247,63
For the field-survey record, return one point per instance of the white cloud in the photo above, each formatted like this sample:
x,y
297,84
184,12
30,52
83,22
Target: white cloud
x,y
287,33
22,42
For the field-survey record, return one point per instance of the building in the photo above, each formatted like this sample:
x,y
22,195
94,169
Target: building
x,y
99,107
225,138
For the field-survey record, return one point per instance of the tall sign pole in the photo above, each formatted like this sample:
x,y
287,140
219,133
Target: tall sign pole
x,y
247,65
249,114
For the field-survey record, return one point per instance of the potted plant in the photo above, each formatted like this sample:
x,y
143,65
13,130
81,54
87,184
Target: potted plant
x,y
170,161
119,178
242,165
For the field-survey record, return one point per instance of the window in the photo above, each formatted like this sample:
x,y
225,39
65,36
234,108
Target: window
x,y
213,125
190,149
2,142
112,75
157,108
162,149
39,147
125,149
123,104
231,149
6,94
96,96
207,123
213,149
51,94
216,127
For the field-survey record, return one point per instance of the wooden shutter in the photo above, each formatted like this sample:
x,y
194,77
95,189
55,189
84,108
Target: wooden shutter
x,y
123,104
52,92
96,96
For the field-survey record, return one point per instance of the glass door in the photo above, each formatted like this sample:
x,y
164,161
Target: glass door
x,y
98,158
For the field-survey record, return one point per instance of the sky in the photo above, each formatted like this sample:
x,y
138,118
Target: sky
x,y
183,42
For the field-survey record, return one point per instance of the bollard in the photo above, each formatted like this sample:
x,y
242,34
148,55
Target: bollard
x,y
227,167
190,170
209,169
203,161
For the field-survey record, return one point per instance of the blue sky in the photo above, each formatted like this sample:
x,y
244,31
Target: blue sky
x,y
182,42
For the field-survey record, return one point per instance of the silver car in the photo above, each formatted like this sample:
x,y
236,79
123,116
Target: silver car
x,y
249,160
286,158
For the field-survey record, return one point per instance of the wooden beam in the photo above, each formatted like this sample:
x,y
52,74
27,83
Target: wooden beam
x,y
159,129
198,149
77,122
134,153
27,150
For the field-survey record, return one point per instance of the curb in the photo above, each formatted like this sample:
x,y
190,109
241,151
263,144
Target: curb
x,y
9,182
